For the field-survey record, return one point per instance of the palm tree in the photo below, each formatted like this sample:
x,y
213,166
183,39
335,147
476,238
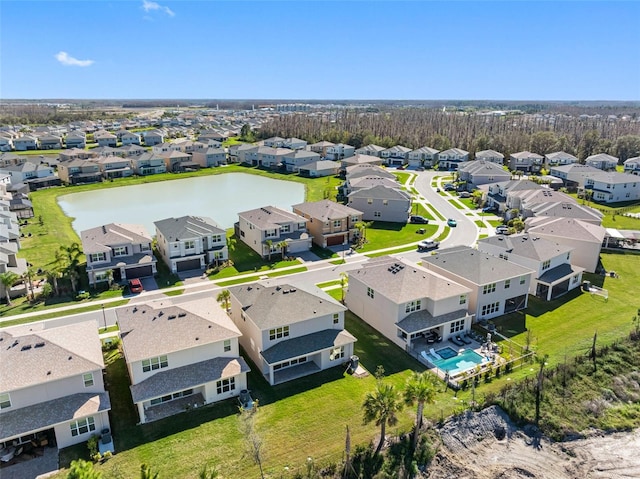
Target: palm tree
x,y
344,281
269,243
27,276
147,473
72,255
224,297
8,279
419,389
55,270
283,248
110,277
362,226
381,406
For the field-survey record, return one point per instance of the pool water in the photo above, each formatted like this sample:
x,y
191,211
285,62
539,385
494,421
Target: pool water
x,y
466,360
446,353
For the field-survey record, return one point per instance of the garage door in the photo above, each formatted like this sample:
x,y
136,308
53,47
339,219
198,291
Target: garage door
x,y
188,264
139,272
335,240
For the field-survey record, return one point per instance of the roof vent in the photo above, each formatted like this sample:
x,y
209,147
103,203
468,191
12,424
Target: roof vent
x,y
292,290
48,373
286,291
135,310
161,313
39,345
26,347
172,316
70,358
197,338
182,315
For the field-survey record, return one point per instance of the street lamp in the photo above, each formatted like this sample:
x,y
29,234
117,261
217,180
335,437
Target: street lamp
x,y
104,318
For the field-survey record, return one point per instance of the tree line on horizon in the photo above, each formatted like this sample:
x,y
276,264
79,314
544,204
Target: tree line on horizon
x,y
415,128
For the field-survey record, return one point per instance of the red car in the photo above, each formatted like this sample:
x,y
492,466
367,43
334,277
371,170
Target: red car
x,y
135,286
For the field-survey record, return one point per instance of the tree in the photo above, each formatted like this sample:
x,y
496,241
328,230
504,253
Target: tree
x,y
110,277
81,469
283,245
147,473
381,406
627,146
254,445
72,255
419,389
362,226
8,279
344,281
269,243
539,384
543,142
224,298
27,276
246,134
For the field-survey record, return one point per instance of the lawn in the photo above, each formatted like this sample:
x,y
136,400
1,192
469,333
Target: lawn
x,y
386,235
20,308
419,209
402,177
613,217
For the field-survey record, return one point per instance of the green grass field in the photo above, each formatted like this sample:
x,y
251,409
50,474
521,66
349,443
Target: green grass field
x,y
386,235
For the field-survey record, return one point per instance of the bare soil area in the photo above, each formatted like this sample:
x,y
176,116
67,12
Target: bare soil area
x,y
486,445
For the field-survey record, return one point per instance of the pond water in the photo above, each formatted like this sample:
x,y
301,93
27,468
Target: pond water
x,y
220,197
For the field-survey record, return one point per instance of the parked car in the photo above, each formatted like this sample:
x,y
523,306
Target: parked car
x,y
502,230
489,209
417,219
449,187
420,168
135,286
432,337
427,245
465,194
452,223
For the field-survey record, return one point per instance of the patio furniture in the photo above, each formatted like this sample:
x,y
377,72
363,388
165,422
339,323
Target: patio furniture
x,y
456,341
463,339
434,354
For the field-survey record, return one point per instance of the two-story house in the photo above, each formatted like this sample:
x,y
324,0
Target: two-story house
x,y
481,172
27,171
104,138
294,144
381,203
148,163
274,142
602,161
75,139
130,138
452,158
123,249
550,261
497,192
299,158
632,166
423,157
152,138
290,332
209,157
612,187
396,155
114,167
497,286
265,229
180,356
559,158
370,150
49,142
330,223
405,301
25,143
51,387
491,156
339,152
75,172
321,147
190,242
526,161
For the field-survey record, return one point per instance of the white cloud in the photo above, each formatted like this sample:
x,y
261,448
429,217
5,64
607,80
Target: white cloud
x,y
148,6
66,59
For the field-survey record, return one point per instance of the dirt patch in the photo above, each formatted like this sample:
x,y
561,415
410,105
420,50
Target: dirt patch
x,y
487,445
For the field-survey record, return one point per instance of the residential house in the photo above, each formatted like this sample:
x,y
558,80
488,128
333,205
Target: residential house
x,y
553,276
405,301
11,159
114,167
368,169
264,229
51,386
339,152
423,157
396,155
266,156
180,356
130,138
294,144
585,238
242,153
49,142
526,161
330,223
106,151
298,158
177,162
452,158
359,159
21,206
559,158
573,175
569,209
154,137
75,139
602,161
9,261
104,138
482,172
6,143
274,142
25,143
148,164
27,171
131,150
525,201
123,249
355,183
187,146
632,166
497,286
320,168
612,187
381,203
76,154
210,157
321,147
165,148
370,150
190,242
207,136
491,156
290,332
497,193
75,172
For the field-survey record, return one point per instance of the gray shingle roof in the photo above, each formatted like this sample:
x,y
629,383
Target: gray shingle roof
x,y
559,272
186,377
488,154
326,210
270,217
272,306
49,413
310,343
160,327
561,155
187,227
526,154
565,228
421,320
475,266
34,355
527,246
367,169
402,281
381,192
102,238
567,210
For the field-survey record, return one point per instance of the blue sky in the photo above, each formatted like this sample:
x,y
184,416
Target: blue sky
x,y
564,50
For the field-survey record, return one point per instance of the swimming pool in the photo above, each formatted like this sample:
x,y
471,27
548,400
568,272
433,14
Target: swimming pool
x,y
463,361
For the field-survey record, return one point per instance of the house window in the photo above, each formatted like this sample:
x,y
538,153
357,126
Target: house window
x,y
488,288
285,228
189,244
218,255
171,397
302,226
402,335
463,299
88,380
226,385
82,426
507,283
413,306
385,202
120,251
279,333
490,308
457,326
371,293
546,264
5,401
354,219
504,256
154,363
216,238
271,234
95,257
574,280
369,201
286,364
568,256
523,279
336,353
227,345
337,223
145,247
336,318
377,214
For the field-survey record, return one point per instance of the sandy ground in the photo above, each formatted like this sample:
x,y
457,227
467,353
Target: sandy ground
x,y
486,445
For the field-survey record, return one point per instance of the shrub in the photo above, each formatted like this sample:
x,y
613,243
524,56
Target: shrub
x,y
92,445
